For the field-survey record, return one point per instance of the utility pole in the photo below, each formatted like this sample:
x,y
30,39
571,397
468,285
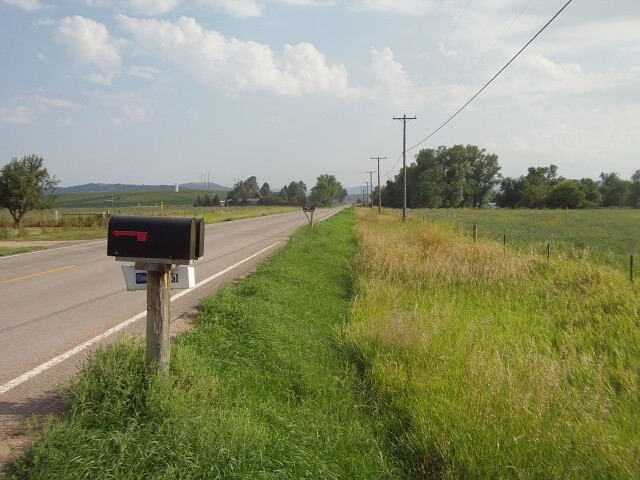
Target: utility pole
x,y
370,172
367,191
404,119
379,193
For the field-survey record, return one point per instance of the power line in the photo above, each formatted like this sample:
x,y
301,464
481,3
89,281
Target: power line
x,y
492,78
446,41
484,55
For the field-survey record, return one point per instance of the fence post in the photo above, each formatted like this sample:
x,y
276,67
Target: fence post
x,y
548,249
475,232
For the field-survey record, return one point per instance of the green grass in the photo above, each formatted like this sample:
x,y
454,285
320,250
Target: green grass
x,y
258,389
495,363
603,235
4,251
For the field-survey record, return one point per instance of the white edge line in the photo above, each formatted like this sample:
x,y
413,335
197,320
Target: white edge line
x,y
83,346
50,249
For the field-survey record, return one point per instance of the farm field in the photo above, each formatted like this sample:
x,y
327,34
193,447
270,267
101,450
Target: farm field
x,y
102,200
606,236
496,363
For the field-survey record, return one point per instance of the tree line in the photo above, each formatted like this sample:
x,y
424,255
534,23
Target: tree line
x,y
541,187
467,176
326,191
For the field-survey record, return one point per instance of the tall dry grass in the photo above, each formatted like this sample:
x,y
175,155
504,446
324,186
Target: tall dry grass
x,y
496,364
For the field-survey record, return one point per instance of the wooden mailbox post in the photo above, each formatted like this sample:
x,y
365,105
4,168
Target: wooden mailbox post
x,y
156,245
309,209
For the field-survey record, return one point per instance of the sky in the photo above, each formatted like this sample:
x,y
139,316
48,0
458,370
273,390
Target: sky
x,y
176,91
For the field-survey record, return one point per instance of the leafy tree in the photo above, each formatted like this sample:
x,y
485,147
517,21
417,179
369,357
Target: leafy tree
x,y
265,190
566,194
244,190
634,190
530,191
297,193
458,176
326,190
591,190
392,194
23,184
484,174
614,190
510,192
456,169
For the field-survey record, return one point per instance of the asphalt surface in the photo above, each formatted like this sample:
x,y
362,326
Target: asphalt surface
x,y
58,304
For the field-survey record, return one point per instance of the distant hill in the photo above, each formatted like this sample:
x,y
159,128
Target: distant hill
x,y
121,187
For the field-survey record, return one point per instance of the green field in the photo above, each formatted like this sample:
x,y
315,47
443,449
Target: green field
x,y
115,200
497,363
604,235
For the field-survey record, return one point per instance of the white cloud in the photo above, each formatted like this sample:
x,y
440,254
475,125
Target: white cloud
x,y
394,83
99,78
236,8
26,109
131,106
28,5
19,115
151,7
136,113
90,43
148,73
233,65
409,7
538,77
619,32
43,101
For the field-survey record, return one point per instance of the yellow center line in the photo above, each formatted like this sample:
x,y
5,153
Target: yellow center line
x,y
17,279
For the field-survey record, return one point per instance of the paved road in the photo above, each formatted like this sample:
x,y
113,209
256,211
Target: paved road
x,y
61,299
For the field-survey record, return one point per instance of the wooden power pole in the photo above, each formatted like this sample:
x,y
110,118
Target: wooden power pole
x,y
370,172
404,119
379,193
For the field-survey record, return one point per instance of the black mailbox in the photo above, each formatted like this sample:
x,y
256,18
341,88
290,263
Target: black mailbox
x,y
199,237
159,239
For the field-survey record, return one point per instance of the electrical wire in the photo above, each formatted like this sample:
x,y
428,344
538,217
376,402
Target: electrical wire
x,y
492,78
484,55
446,41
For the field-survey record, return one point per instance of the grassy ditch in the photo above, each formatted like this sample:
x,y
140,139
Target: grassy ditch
x,y
5,251
257,389
495,363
